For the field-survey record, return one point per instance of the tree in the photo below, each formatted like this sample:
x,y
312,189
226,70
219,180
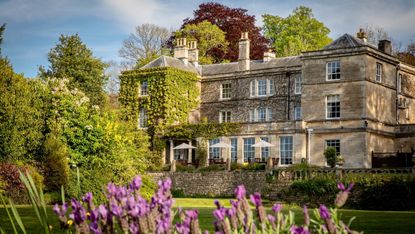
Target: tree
x,y
375,34
208,37
408,55
298,32
72,59
145,44
232,21
2,28
21,116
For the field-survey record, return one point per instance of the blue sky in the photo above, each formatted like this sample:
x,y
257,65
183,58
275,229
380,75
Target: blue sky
x,y
34,26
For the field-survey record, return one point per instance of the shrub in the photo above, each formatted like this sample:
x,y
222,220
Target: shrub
x,y
12,186
213,167
56,163
183,168
254,167
330,155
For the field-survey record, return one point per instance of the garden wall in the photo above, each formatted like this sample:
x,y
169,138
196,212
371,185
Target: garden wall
x,y
268,183
219,183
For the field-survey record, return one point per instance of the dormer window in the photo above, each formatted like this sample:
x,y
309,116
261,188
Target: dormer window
x,y
333,70
144,88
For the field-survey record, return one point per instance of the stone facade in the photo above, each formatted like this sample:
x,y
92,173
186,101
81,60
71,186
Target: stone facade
x,y
289,101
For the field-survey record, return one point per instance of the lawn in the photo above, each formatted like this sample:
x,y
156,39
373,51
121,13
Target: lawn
x,y
367,221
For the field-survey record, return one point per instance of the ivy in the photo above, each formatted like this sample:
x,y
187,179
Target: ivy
x,y
204,130
173,93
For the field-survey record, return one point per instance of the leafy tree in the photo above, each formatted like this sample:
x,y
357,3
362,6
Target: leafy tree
x,y
2,28
145,44
208,37
232,21
298,32
21,116
408,55
72,59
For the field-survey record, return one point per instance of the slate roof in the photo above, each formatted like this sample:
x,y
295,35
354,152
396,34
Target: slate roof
x,y
167,61
222,68
347,41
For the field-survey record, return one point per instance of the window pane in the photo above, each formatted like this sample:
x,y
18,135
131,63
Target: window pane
x,y
333,70
297,113
214,152
271,87
335,144
298,84
262,87
226,90
253,88
143,118
286,150
333,106
234,149
262,117
264,150
144,88
249,151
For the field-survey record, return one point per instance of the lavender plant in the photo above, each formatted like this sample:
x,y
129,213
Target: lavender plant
x,y
127,212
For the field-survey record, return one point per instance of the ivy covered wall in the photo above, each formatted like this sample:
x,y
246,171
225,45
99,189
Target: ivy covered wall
x,y
173,93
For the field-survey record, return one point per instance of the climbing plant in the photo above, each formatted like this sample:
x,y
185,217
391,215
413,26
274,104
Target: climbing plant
x,y
173,93
205,130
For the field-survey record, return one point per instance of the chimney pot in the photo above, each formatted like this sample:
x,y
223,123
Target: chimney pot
x,y
243,58
385,46
181,51
269,55
362,35
193,53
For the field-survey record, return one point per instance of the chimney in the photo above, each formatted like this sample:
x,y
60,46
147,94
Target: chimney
x,y
193,53
268,56
181,51
243,60
362,35
385,46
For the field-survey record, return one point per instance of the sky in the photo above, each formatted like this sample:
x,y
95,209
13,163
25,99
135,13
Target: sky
x,y
34,26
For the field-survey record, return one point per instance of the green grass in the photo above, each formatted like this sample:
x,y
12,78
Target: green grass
x,y
368,221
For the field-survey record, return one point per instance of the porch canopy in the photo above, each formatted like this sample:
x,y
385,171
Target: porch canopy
x,y
184,146
262,143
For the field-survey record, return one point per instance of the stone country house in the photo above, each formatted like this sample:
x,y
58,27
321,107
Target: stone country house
x,y
350,95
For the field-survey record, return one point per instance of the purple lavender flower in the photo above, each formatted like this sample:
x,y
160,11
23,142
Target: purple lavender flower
x,y
136,183
133,228
256,199
343,195
299,230
94,228
219,214
324,212
240,192
103,211
116,210
60,212
276,207
78,212
271,218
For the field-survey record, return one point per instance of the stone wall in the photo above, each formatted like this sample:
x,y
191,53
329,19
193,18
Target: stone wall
x,y
214,183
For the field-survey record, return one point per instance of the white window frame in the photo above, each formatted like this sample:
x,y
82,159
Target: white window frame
x,y
222,93
262,86
283,150
298,84
144,92
271,87
227,114
214,152
327,106
329,73
254,114
234,149
379,72
260,111
251,151
143,118
297,113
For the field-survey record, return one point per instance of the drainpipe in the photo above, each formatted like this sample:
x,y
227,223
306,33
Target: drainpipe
x,y
309,131
397,93
288,74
